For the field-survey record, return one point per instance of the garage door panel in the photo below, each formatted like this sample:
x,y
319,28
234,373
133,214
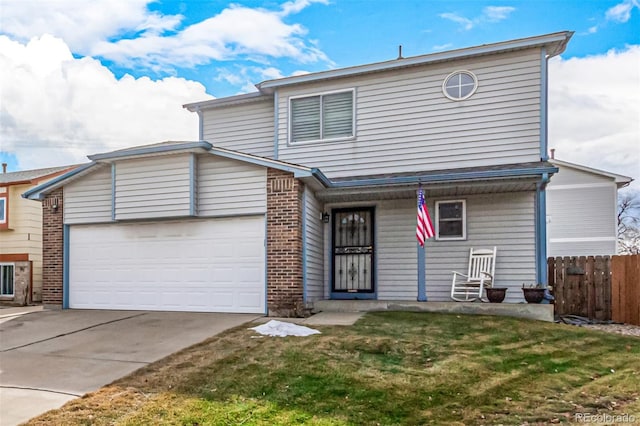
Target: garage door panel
x,y
203,266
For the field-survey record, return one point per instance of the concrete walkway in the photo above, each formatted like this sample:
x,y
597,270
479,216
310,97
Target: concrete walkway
x,y
50,357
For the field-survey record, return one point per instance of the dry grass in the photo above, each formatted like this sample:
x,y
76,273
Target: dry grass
x,y
390,368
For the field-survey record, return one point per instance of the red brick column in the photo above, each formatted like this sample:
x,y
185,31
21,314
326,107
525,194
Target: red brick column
x,y
52,248
284,244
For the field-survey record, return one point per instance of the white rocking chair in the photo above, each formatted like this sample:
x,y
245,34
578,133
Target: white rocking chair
x,y
469,287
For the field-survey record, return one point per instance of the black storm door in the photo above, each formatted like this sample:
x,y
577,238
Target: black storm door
x,y
353,249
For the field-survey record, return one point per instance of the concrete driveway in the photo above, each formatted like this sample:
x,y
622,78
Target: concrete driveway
x,y
50,357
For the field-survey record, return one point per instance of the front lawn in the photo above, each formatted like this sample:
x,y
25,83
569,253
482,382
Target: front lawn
x,y
389,368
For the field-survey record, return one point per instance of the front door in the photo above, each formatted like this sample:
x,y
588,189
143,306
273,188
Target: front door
x,y
353,248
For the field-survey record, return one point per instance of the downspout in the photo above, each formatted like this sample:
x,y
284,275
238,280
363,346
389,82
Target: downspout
x,y
541,230
304,247
276,109
544,62
200,124
65,266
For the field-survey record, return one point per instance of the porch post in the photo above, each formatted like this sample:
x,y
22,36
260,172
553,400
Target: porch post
x,y
422,286
541,230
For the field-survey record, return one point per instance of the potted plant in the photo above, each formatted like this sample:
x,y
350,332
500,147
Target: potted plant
x,y
533,293
496,294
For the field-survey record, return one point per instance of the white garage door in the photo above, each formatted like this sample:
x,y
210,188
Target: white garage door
x,y
214,265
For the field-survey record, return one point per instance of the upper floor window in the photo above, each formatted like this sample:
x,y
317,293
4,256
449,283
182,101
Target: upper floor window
x,y
451,220
460,85
4,204
321,117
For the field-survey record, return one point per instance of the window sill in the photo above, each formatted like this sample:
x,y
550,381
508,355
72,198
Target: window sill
x,y
5,229
322,141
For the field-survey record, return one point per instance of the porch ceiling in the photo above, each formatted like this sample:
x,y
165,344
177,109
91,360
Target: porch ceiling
x,y
432,190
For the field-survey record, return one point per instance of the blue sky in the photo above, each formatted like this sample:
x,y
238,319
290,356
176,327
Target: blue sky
x,y
85,77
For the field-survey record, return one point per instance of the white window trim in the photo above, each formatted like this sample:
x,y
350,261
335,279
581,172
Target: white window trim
x,y
14,279
464,220
473,91
310,95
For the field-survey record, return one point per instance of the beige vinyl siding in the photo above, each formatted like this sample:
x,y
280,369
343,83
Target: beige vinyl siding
x,y
405,123
153,187
314,253
503,220
88,200
246,127
229,187
25,232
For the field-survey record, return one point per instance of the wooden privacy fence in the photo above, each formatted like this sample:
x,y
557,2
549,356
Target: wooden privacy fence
x,y
597,287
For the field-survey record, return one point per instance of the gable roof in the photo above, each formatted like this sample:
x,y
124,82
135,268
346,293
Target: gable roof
x,y
166,148
554,43
620,180
32,176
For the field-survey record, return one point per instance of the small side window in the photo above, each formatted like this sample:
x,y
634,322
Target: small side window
x,y
460,85
6,279
451,220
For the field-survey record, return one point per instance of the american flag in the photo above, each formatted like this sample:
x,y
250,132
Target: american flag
x,y
424,229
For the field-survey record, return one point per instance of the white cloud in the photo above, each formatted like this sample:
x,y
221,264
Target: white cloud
x,y
490,14
80,24
496,13
236,32
622,11
594,113
56,109
466,23
126,32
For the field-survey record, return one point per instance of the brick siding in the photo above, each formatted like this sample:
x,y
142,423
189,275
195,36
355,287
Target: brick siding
x,y
52,247
284,244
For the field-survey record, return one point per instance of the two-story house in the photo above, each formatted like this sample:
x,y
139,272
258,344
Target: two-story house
x,y
306,190
21,235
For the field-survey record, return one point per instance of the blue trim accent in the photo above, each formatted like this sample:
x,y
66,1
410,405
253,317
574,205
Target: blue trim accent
x,y
324,180
373,295
422,267
192,184
65,266
544,149
541,231
113,192
444,177
36,193
422,285
178,146
304,246
266,268
265,162
276,109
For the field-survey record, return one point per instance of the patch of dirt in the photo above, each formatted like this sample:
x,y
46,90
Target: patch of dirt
x,y
625,329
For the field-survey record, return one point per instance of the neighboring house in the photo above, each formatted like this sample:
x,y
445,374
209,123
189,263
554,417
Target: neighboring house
x,y
582,210
306,190
21,235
